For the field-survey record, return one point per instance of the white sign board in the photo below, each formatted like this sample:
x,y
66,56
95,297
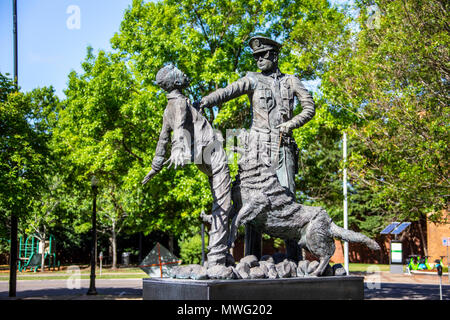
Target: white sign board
x,y
396,252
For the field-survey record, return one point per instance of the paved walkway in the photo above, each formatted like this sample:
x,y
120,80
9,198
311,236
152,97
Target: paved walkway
x,y
378,286
388,286
429,278
68,289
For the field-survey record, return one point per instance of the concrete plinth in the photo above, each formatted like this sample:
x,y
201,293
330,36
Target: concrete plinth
x,y
396,268
307,288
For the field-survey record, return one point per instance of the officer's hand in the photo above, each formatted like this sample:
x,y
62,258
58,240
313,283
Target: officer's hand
x,y
202,105
203,102
199,106
285,127
196,104
149,176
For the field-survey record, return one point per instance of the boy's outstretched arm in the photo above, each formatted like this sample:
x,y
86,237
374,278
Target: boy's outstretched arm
x,y
160,153
178,159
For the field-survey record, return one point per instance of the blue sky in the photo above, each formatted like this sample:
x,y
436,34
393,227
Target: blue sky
x,y
50,42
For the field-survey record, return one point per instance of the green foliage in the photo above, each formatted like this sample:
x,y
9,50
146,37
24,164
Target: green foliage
x,y
209,41
4,246
191,249
393,76
7,86
111,119
386,84
320,177
276,242
25,129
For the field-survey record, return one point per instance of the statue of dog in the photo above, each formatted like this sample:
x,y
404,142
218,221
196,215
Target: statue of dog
x,y
272,209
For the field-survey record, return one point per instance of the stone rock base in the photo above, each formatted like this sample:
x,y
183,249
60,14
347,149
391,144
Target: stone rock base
x,y
269,267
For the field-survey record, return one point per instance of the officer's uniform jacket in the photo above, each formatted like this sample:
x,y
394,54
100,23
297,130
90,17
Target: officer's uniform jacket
x,y
272,99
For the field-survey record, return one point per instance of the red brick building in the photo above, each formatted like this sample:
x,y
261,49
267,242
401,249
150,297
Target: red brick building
x,y
417,233
436,231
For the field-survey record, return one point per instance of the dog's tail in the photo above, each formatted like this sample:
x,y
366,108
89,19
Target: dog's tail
x,y
352,236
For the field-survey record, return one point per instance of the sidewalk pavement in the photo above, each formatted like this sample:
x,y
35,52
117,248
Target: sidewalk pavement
x,y
131,289
73,289
414,278
388,286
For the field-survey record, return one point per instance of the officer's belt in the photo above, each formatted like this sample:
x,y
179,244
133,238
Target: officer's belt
x,y
286,139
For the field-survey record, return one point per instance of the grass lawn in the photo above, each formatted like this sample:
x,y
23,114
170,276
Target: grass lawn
x,y
123,273
363,267
64,273
137,273
63,277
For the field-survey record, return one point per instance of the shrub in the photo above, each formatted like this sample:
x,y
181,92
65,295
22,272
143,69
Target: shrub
x,y
191,249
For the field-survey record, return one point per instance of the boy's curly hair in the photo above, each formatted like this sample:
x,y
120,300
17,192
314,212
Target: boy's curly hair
x,y
167,75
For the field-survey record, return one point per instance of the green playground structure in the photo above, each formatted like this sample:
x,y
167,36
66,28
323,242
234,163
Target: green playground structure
x,y
30,253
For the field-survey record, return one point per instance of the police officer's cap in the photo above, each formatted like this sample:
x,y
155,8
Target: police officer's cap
x,y
261,44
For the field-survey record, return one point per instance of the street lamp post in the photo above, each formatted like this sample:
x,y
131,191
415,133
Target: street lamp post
x,y
94,185
14,219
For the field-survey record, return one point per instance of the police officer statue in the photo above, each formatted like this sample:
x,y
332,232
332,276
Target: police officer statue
x,y
272,98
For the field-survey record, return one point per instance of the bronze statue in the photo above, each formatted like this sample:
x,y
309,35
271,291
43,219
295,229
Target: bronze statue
x,y
264,190
194,140
272,97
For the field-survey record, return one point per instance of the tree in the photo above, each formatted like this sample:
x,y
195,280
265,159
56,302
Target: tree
x,y
94,131
393,77
48,209
24,151
7,86
208,40
25,157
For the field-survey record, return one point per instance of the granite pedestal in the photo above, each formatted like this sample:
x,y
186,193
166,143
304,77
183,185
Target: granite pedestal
x,y
303,288
396,268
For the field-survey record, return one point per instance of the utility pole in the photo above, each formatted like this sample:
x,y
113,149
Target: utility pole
x,y
344,147
16,69
13,244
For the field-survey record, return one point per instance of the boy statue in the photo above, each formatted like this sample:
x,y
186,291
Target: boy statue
x,y
194,140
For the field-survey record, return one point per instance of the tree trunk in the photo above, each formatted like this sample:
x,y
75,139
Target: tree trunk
x,y
113,240
422,238
171,245
140,247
